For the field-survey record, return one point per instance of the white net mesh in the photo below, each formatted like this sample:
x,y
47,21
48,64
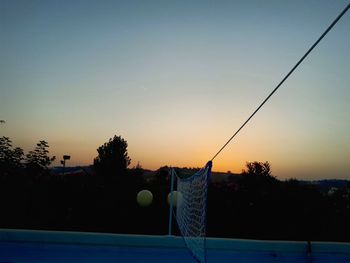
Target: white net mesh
x,y
191,211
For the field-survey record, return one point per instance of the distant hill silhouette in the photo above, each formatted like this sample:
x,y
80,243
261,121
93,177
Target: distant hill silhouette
x,y
73,170
325,185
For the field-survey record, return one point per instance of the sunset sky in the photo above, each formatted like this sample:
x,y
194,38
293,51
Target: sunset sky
x,y
176,79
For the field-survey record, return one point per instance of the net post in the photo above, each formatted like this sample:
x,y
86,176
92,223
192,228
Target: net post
x,y
172,175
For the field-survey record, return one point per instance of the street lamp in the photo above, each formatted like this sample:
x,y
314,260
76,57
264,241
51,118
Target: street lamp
x,y
63,162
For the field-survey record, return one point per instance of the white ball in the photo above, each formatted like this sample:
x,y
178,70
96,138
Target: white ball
x,y
144,198
177,198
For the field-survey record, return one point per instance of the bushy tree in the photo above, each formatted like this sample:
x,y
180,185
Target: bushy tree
x,y
38,160
258,169
112,157
10,158
257,179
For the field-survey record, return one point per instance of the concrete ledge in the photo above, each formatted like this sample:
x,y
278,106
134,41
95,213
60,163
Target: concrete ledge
x,y
87,238
123,240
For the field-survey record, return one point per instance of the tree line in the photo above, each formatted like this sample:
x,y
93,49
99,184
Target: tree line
x,y
13,161
253,204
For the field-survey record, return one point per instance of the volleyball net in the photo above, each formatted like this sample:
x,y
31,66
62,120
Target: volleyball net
x,y
191,210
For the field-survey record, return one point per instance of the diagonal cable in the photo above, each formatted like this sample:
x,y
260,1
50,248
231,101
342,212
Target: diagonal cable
x,y
285,78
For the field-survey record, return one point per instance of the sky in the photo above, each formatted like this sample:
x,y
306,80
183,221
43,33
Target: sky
x,y
176,79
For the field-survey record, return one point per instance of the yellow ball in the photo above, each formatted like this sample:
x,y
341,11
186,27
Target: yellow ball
x,y
177,198
144,198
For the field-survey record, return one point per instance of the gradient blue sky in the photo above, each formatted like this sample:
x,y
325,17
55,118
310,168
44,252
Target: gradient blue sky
x,y
176,79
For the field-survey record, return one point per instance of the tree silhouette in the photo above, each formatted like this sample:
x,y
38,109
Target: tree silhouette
x,y
112,157
258,169
38,160
10,159
257,179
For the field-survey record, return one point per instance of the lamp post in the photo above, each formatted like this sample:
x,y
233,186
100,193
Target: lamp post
x,y
63,162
